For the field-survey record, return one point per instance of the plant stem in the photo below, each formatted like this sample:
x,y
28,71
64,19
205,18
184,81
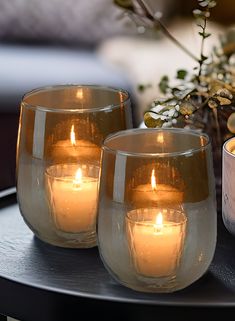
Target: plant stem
x,y
217,125
201,61
174,40
163,28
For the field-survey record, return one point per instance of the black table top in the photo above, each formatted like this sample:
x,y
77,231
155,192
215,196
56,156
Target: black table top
x,y
35,276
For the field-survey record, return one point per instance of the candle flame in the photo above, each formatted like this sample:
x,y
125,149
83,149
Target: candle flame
x,y
72,136
159,219
153,180
159,222
78,179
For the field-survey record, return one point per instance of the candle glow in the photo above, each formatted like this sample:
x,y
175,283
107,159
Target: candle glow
x,y
155,241
73,198
76,148
156,194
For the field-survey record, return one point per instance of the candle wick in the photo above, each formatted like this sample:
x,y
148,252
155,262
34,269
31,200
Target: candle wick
x,y
157,229
77,185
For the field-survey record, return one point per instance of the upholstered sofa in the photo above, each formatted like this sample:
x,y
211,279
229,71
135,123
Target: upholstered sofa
x,y
46,43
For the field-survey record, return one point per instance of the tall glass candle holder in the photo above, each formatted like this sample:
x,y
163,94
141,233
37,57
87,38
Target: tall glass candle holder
x,y
58,158
157,217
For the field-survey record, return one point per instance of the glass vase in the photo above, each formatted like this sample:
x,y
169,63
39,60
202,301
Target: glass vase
x,y
157,217
61,130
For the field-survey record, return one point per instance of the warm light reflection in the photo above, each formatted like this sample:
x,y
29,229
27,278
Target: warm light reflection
x,y
159,219
78,179
160,138
233,151
153,180
72,136
202,143
79,93
159,222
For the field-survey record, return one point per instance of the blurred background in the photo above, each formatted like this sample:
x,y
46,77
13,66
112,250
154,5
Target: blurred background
x,y
87,42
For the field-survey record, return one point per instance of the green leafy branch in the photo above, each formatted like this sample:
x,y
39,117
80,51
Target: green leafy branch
x,y
147,19
209,89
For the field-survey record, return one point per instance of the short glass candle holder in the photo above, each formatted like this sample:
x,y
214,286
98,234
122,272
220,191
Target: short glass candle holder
x,y
157,219
228,187
61,130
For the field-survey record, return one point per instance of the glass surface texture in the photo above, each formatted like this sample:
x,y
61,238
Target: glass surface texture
x,y
228,187
157,219
61,130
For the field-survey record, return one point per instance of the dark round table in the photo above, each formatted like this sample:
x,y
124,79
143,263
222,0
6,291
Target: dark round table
x,y
39,282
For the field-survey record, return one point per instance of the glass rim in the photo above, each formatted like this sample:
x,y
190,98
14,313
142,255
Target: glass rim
x,y
150,223
72,110
76,166
145,154
225,149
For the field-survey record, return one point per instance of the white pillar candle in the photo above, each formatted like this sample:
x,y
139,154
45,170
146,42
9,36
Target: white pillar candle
x,y
155,240
73,198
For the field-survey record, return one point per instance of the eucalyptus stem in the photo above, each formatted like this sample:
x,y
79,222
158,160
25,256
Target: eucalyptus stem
x,y
158,23
174,40
202,57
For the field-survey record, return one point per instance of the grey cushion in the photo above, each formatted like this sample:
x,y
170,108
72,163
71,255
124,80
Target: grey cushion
x,y
60,21
25,68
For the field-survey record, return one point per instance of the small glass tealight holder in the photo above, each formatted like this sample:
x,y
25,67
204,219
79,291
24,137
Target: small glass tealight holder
x,y
58,158
157,219
155,238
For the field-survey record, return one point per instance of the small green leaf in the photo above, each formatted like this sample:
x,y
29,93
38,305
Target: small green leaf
x,y
186,108
164,84
197,13
212,4
126,4
204,3
204,34
175,90
213,103
181,74
141,88
224,101
152,122
201,14
203,58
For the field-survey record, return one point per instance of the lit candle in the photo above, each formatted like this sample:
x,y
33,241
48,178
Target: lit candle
x,y
157,194
75,148
72,197
156,238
